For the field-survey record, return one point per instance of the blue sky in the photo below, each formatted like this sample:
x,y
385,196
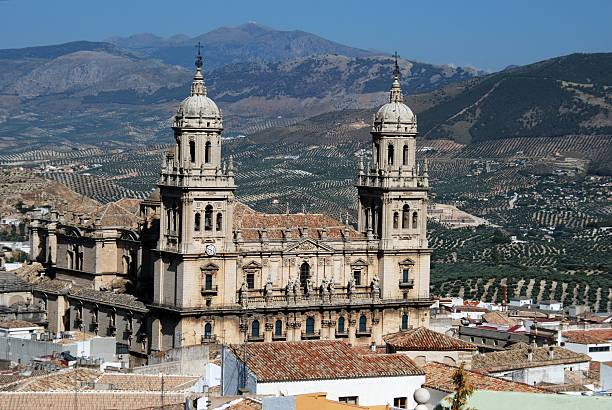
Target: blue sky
x,y
485,34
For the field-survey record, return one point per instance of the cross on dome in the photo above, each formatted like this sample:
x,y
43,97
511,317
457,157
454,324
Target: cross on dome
x,y
198,87
396,90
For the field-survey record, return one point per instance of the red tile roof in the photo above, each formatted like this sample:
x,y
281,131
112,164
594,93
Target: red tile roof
x,y
440,377
421,338
320,360
92,400
17,324
515,359
593,336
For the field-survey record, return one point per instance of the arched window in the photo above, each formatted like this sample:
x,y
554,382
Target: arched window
x,y
219,224
207,152
207,331
310,324
363,322
196,222
278,328
208,218
126,264
341,324
178,150
168,220
395,220
304,274
192,151
404,321
255,328
415,219
70,260
405,217
376,153
405,155
390,154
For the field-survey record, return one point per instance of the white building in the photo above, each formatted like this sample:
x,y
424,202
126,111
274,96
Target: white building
x,y
605,376
349,375
20,329
532,365
522,301
551,305
597,343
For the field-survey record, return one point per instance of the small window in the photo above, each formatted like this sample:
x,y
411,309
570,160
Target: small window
x,y
196,222
219,224
192,151
405,216
278,328
207,152
208,281
472,339
390,154
208,216
395,220
310,326
415,220
304,274
484,341
341,328
405,155
363,323
357,277
405,275
404,321
349,399
207,331
400,402
255,328
250,279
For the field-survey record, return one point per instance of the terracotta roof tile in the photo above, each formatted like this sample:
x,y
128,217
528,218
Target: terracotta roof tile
x,y
498,318
92,400
439,376
593,336
142,382
14,324
320,360
421,338
518,359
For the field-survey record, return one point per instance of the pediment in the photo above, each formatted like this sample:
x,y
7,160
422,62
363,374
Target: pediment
x,y
309,245
407,261
252,265
359,262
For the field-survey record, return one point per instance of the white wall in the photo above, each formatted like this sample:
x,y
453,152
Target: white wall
x,y
547,374
371,391
605,376
20,333
597,356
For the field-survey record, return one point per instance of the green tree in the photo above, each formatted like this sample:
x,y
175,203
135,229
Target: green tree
x,y
463,390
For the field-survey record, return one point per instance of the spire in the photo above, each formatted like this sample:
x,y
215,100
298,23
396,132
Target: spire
x,y
198,87
396,90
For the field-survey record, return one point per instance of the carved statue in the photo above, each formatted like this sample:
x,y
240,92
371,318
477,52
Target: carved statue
x,y
350,287
295,285
375,286
307,286
324,285
268,288
332,288
243,292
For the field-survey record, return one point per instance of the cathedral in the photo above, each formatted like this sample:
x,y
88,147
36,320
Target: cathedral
x,y
191,264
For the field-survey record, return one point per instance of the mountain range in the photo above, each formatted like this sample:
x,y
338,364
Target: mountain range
x,y
125,90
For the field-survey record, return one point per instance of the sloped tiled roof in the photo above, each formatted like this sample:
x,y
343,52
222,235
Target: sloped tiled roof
x,y
320,360
57,381
142,382
115,214
92,400
421,338
593,336
108,297
497,318
440,377
518,359
251,222
15,324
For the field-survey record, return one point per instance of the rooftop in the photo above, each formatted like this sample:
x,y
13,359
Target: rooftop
x,y
320,360
439,376
593,336
17,324
421,338
515,359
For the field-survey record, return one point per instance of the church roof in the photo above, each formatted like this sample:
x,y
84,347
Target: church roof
x,y
251,223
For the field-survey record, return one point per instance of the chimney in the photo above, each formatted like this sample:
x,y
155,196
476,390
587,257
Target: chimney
x,y
373,346
530,353
551,352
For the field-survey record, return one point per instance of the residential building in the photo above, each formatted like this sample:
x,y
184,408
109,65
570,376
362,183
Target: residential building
x,y
532,365
597,343
423,345
20,329
350,375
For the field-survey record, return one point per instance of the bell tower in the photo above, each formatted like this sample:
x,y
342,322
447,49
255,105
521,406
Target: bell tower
x,y
393,191
197,193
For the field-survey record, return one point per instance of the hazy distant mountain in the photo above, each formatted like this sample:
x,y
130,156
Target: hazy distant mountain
x,y
226,45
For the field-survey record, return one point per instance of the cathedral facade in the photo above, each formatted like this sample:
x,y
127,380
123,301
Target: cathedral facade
x,y
194,265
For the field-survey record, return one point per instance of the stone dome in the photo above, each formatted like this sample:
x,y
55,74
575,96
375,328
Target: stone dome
x,y
394,112
198,105
395,116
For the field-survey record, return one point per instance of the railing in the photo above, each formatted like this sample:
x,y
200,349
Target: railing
x,y
256,338
363,332
408,283
342,334
209,339
210,291
281,336
316,334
